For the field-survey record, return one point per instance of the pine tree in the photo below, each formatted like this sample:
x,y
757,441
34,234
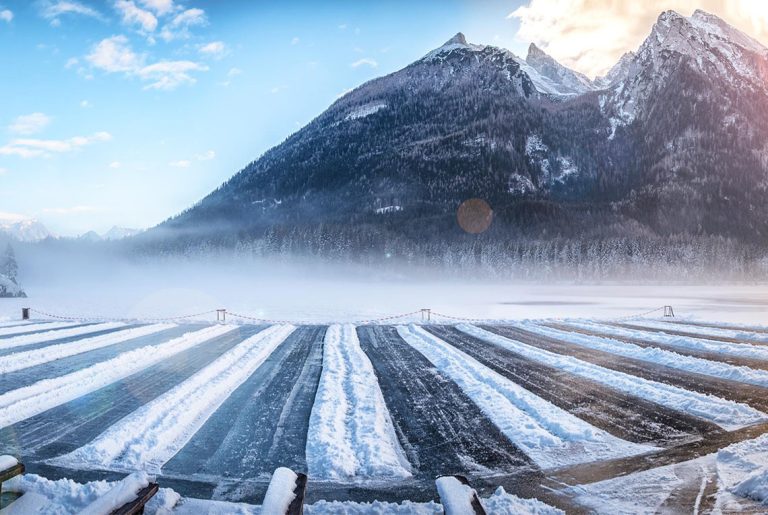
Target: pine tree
x,y
9,267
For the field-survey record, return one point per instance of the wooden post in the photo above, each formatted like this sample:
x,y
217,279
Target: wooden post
x,y
668,311
426,315
25,313
221,315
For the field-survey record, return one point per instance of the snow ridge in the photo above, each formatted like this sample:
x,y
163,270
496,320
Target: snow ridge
x,y
17,405
549,435
350,429
727,414
24,328
154,433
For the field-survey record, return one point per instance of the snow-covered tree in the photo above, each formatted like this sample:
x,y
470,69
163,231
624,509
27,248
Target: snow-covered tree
x,y
9,268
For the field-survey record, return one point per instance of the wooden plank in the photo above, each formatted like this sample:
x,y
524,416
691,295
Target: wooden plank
x,y
136,506
297,505
14,471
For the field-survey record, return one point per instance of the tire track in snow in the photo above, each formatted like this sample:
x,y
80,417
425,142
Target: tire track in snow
x,y
64,366
549,435
623,415
43,395
25,359
653,382
738,361
350,430
662,356
150,436
440,428
264,423
45,338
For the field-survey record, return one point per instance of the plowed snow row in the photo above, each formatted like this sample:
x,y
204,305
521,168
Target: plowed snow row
x,y
728,415
28,401
350,429
153,434
547,434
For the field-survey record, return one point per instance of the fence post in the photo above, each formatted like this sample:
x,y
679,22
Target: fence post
x,y
426,315
221,315
25,313
668,311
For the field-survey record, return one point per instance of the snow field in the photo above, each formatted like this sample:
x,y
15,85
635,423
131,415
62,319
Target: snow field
x,y
549,435
22,403
655,355
26,359
154,433
350,429
744,350
29,339
727,414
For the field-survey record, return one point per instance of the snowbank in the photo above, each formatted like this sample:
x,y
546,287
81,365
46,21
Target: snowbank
x,y
727,414
16,327
7,462
29,339
280,491
742,469
121,493
350,429
739,334
549,435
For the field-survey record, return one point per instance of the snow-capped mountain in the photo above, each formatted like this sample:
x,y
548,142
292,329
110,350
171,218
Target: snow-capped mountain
x,y
672,141
22,228
565,80
119,233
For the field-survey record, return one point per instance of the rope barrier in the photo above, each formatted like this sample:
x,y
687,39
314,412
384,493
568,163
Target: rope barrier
x,y
90,319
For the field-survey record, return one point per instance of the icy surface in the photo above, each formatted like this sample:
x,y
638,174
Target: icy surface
x,y
24,328
280,491
22,403
656,355
350,430
549,435
153,434
22,360
748,336
728,415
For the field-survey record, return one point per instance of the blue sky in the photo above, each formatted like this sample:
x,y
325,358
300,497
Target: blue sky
x,y
125,112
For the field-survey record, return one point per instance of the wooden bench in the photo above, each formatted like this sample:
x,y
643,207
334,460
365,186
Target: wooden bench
x,y
458,497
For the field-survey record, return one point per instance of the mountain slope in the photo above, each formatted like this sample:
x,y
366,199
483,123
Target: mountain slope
x,y
671,142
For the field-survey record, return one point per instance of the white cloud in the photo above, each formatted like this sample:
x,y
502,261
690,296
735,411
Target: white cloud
x,y
159,7
215,49
343,26
234,72
365,61
591,35
206,156
168,75
3,171
178,27
74,210
115,165
114,55
29,124
295,41
71,62
6,15
52,10
85,104
27,148
134,15
182,163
